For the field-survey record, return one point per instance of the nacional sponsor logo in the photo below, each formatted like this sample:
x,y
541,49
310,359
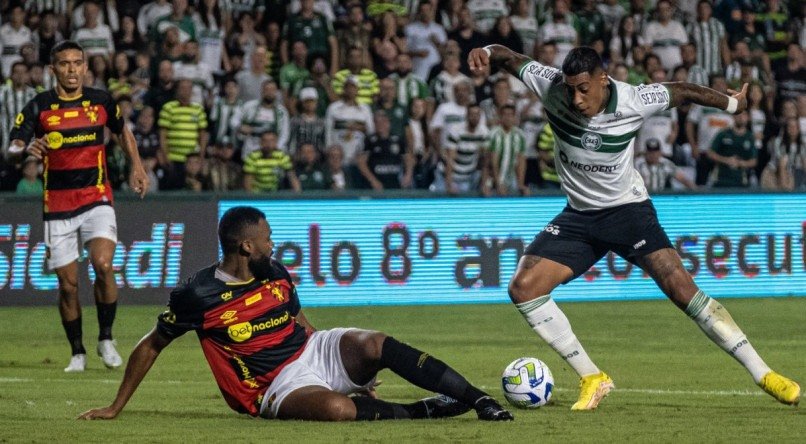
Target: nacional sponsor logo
x,y
56,140
244,330
591,141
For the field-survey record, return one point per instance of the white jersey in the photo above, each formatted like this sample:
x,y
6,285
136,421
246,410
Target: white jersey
x,y
347,125
11,41
594,157
95,41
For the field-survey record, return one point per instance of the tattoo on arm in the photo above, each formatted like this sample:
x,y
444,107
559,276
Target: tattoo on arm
x,y
684,92
504,58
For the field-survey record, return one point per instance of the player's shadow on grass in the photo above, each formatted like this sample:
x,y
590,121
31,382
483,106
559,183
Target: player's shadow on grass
x,y
200,414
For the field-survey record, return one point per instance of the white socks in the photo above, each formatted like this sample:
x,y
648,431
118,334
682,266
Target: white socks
x,y
718,325
550,323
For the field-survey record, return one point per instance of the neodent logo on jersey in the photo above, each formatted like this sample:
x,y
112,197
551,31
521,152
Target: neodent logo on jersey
x,y
587,167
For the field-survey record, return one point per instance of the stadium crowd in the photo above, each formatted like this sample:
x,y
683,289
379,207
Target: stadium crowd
x,y
261,95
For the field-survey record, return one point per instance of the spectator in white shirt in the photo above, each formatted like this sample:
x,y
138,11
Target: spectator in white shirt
x,y
665,36
94,36
12,36
347,123
425,38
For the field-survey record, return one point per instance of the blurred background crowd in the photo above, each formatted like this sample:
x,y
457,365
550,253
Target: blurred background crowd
x,y
262,95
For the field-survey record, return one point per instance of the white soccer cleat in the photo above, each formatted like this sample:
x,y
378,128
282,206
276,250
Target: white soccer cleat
x,y
109,355
77,364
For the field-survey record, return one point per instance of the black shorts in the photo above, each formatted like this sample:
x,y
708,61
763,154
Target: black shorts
x,y
578,239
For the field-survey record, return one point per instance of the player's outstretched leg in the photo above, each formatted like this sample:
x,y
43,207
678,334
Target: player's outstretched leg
x,y
714,320
529,289
719,326
70,312
364,353
106,299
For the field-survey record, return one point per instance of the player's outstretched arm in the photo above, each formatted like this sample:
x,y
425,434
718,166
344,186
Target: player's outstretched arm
x,y
684,92
140,362
496,56
138,179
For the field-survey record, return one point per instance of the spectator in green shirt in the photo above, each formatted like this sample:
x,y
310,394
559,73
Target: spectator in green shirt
x,y
30,184
315,30
734,153
265,169
312,174
295,70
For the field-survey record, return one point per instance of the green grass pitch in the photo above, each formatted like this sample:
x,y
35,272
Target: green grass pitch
x,y
672,384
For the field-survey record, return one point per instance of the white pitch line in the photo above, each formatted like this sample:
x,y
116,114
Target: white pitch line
x,y
5,380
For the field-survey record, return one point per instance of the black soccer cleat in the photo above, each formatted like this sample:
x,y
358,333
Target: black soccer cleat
x,y
489,409
442,406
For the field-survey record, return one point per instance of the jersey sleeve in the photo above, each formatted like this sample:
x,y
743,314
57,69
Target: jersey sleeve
x,y
114,118
537,77
25,123
181,316
650,99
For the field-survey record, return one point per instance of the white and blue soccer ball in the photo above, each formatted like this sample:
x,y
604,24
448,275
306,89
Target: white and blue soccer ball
x,y
527,383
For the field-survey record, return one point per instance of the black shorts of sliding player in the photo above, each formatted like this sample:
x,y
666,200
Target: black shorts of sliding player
x,y
578,239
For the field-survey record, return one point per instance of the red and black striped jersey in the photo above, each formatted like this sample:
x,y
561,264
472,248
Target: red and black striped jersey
x,y
75,174
247,330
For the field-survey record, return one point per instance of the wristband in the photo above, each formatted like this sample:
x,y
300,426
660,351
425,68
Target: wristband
x,y
733,104
488,50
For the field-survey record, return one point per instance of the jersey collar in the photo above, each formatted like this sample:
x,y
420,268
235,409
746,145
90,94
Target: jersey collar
x,y
612,103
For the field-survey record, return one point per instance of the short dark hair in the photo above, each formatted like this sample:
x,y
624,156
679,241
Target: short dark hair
x,y
508,106
64,46
233,224
583,59
19,62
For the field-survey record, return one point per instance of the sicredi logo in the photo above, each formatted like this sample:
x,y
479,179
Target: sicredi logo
x,y
152,263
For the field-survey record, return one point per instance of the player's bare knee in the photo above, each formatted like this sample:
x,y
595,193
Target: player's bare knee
x,y
338,408
524,288
68,287
103,268
372,344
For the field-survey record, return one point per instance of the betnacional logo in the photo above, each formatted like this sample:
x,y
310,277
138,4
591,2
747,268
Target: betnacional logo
x,y
56,140
242,331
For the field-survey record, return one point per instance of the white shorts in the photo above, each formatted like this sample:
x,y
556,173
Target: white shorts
x,y
61,236
319,365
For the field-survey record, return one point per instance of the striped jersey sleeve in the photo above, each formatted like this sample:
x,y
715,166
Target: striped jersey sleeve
x,y
537,77
649,99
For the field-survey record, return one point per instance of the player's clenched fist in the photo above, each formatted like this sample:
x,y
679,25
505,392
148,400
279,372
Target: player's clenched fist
x,y
478,59
38,147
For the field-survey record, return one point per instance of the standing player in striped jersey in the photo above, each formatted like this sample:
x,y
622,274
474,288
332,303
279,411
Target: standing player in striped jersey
x,y
463,156
13,97
267,358
595,120
508,154
65,128
710,39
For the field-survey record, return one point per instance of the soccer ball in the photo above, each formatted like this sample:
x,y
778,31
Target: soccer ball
x,y
527,383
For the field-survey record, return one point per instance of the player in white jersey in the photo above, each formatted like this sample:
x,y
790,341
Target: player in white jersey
x,y
595,119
